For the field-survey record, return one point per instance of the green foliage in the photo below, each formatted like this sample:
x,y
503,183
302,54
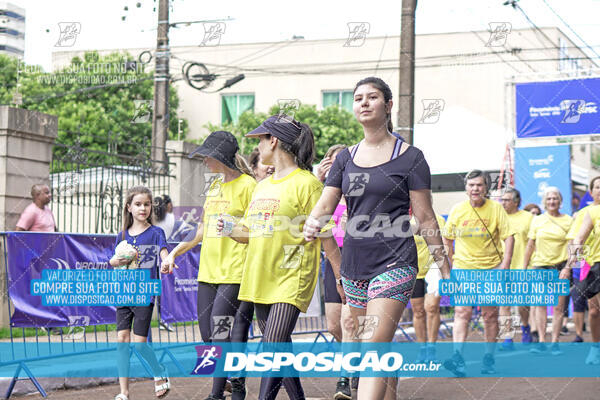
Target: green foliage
x,y
333,125
246,122
70,94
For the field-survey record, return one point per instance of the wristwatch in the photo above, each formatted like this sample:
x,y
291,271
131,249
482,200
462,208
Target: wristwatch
x,y
339,281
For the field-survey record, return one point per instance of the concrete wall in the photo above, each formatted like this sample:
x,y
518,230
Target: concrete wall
x,y
186,188
26,139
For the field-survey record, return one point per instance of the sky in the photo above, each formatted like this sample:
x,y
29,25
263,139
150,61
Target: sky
x,y
102,26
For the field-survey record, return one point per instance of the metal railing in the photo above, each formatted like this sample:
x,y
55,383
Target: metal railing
x,y
88,186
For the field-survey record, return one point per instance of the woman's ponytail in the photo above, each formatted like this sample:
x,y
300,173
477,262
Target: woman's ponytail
x,y
242,165
303,148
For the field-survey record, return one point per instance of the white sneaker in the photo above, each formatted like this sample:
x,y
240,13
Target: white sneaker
x,y
593,357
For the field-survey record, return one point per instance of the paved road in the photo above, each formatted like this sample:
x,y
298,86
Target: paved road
x,y
413,389
410,388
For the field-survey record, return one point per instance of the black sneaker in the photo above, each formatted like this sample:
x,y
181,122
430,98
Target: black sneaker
x,y
238,388
213,397
488,364
535,337
564,331
354,383
342,390
578,339
456,365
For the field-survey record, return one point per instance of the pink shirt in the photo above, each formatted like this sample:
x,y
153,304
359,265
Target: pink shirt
x,y
35,219
338,232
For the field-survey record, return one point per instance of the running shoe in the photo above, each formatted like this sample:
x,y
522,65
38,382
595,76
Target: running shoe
x,y
564,331
578,339
213,397
535,337
227,387
526,336
555,349
456,365
593,357
538,348
163,326
507,345
422,358
488,364
238,388
354,383
342,390
431,354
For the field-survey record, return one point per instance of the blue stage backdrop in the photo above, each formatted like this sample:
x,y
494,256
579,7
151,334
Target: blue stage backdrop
x,y
539,167
559,108
29,253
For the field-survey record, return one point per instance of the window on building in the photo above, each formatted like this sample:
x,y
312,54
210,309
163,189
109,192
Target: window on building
x,y
343,98
234,105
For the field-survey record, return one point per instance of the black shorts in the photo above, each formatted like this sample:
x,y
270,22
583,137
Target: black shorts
x,y
590,286
331,294
420,289
141,316
559,267
579,301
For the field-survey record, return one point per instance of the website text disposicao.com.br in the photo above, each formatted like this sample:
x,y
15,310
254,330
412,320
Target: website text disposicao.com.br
x,y
371,361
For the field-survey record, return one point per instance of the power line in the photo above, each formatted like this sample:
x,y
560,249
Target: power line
x,y
571,29
263,72
514,4
497,53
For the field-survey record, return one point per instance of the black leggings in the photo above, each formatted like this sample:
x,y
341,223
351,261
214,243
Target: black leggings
x,y
277,322
218,307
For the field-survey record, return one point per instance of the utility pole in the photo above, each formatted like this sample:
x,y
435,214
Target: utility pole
x,y
160,116
406,92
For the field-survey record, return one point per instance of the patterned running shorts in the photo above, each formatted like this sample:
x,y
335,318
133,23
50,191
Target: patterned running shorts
x,y
394,284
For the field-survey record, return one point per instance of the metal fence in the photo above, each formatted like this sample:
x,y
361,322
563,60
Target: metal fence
x,y
88,186
31,343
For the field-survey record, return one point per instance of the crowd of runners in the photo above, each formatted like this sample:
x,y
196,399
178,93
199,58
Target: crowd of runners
x,y
365,217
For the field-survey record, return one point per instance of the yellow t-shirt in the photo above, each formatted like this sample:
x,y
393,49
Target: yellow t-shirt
x,y
423,253
222,258
520,222
593,240
473,247
550,235
281,267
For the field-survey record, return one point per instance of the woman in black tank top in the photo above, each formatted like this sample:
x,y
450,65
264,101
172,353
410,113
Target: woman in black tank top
x,y
380,178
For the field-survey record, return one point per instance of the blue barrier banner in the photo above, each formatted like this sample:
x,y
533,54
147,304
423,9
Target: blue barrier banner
x,y
559,108
178,302
302,359
60,260
504,287
536,168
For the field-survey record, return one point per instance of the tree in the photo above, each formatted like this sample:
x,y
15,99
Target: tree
x,y
95,99
333,125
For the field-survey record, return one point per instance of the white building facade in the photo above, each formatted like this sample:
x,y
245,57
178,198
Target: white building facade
x,y
12,30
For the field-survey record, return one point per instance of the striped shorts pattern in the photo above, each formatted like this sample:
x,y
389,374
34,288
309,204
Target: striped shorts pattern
x,y
394,284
